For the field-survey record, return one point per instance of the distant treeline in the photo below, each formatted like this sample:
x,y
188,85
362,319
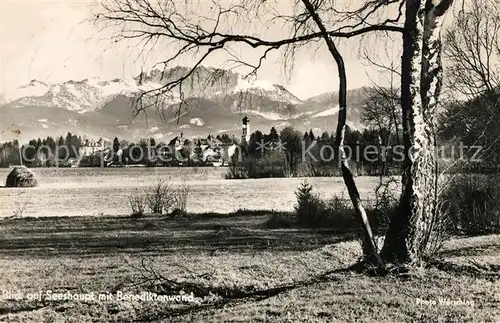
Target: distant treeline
x,y
371,152
292,153
40,152
65,150
286,153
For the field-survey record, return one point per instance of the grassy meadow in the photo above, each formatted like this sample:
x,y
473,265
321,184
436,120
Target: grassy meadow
x,y
76,239
237,270
105,191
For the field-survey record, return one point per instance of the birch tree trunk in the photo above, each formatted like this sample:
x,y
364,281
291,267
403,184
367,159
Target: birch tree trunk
x,y
368,241
421,78
370,250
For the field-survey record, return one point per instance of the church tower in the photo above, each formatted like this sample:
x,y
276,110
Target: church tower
x,y
245,135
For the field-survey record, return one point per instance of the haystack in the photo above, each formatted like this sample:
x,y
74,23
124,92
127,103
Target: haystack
x,y
21,176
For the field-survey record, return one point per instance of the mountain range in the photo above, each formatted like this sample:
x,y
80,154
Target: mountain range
x,y
214,101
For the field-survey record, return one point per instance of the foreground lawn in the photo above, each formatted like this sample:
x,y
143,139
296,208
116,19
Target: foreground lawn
x,y
236,269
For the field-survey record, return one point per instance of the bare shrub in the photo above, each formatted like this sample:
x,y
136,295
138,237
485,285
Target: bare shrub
x,y
163,198
20,205
137,204
386,200
160,198
180,196
438,232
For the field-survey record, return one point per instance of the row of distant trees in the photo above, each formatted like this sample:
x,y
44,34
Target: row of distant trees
x,y
263,150
59,151
293,153
40,152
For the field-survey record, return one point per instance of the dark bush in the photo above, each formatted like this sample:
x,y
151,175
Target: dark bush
x,y
473,204
268,166
178,213
337,213
279,221
310,209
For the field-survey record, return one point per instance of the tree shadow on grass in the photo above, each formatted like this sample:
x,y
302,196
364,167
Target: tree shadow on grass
x,y
90,236
220,296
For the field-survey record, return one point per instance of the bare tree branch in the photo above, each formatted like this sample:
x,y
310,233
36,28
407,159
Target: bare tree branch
x,y
148,23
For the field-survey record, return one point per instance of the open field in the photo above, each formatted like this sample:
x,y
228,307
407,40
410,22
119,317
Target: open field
x,y
227,264
105,191
254,274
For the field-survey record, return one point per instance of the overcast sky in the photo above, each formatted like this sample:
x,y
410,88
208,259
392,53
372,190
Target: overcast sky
x,y
48,41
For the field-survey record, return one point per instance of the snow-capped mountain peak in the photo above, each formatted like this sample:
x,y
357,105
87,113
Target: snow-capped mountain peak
x,y
247,83
81,96
33,88
215,99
